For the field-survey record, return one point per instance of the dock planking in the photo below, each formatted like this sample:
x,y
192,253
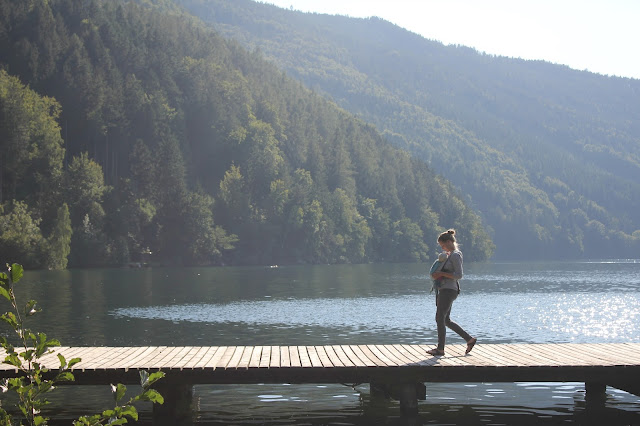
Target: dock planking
x,y
401,369
606,362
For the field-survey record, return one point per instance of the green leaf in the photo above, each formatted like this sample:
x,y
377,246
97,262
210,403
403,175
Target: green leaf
x,y
116,421
16,272
5,293
65,377
31,309
73,362
15,382
53,342
28,334
130,411
155,377
13,360
27,355
86,421
118,391
147,380
10,318
63,361
144,378
43,344
151,395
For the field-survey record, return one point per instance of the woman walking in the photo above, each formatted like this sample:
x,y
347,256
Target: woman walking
x,y
448,291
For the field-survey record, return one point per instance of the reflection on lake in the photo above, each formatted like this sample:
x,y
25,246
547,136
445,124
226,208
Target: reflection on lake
x,y
584,302
569,317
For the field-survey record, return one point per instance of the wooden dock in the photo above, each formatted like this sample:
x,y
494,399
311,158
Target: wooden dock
x,y
400,368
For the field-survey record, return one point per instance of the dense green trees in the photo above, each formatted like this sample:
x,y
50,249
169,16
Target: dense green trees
x,y
32,149
30,175
549,156
20,234
184,145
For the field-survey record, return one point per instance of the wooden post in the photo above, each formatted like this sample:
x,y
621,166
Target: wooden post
x,y
176,409
595,389
408,396
407,393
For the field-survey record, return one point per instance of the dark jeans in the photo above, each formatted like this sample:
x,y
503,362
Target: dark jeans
x,y
444,301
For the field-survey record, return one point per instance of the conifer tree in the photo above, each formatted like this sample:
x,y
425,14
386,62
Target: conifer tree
x,y
59,242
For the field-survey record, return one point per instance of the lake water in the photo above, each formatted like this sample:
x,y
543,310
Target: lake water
x,y
578,302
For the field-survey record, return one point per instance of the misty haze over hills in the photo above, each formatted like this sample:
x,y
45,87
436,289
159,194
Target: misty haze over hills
x,y
549,156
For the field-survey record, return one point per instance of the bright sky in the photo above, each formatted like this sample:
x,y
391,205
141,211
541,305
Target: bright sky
x,y
601,36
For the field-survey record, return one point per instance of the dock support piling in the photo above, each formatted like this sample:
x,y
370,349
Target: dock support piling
x,y
177,407
595,389
408,396
407,393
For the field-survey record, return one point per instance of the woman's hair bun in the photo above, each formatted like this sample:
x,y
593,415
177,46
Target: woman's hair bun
x,y
448,236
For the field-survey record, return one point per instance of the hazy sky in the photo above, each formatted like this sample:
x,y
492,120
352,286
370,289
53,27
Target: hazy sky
x,y
601,36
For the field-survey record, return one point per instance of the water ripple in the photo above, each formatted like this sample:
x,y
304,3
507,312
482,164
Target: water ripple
x,y
536,318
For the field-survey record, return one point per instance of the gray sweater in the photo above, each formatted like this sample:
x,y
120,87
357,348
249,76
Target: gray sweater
x,y
453,266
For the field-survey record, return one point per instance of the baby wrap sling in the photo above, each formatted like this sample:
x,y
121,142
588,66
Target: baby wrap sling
x,y
438,265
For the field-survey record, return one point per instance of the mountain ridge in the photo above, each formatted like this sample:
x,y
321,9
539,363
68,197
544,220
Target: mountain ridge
x,y
544,152
178,146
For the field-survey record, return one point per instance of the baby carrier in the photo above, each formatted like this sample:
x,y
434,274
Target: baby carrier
x,y
438,265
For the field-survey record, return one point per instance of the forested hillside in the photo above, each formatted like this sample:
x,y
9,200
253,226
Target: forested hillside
x,y
130,129
549,156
